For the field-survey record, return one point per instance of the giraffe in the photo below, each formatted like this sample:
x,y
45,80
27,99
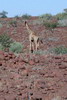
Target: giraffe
x,y
33,38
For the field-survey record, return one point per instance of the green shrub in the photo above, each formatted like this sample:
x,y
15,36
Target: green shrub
x,y
46,16
40,52
3,14
26,16
1,47
1,25
49,24
13,23
60,50
16,47
61,16
17,16
5,40
62,22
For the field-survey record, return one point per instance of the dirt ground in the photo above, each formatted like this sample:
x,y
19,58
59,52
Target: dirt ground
x,y
34,76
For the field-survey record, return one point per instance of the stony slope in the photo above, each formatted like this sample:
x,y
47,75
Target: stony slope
x,y
36,76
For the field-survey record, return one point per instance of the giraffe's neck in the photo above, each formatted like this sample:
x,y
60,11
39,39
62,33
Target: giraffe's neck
x,y
28,29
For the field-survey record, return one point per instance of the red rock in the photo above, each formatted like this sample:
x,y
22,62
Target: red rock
x,y
6,58
16,59
22,63
24,96
65,60
57,60
1,52
10,56
63,67
1,86
20,59
24,72
11,53
13,56
31,62
16,76
10,97
1,98
6,54
1,57
57,57
0,63
57,98
36,60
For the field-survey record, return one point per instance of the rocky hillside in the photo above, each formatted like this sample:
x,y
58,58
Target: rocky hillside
x,y
37,76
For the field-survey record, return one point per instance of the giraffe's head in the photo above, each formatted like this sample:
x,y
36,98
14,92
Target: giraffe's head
x,y
25,22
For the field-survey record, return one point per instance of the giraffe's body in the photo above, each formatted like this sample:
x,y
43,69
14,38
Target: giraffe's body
x,y
33,38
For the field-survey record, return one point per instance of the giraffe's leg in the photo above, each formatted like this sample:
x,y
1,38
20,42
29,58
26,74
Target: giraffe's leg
x,y
37,45
30,46
33,46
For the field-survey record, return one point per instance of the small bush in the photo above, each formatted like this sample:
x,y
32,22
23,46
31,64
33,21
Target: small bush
x,y
16,47
1,25
26,16
1,47
50,24
60,50
62,22
41,52
3,14
46,16
61,16
13,23
5,40
17,17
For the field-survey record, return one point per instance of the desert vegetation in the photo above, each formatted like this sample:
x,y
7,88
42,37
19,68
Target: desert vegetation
x,y
16,47
26,16
13,23
3,14
5,40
